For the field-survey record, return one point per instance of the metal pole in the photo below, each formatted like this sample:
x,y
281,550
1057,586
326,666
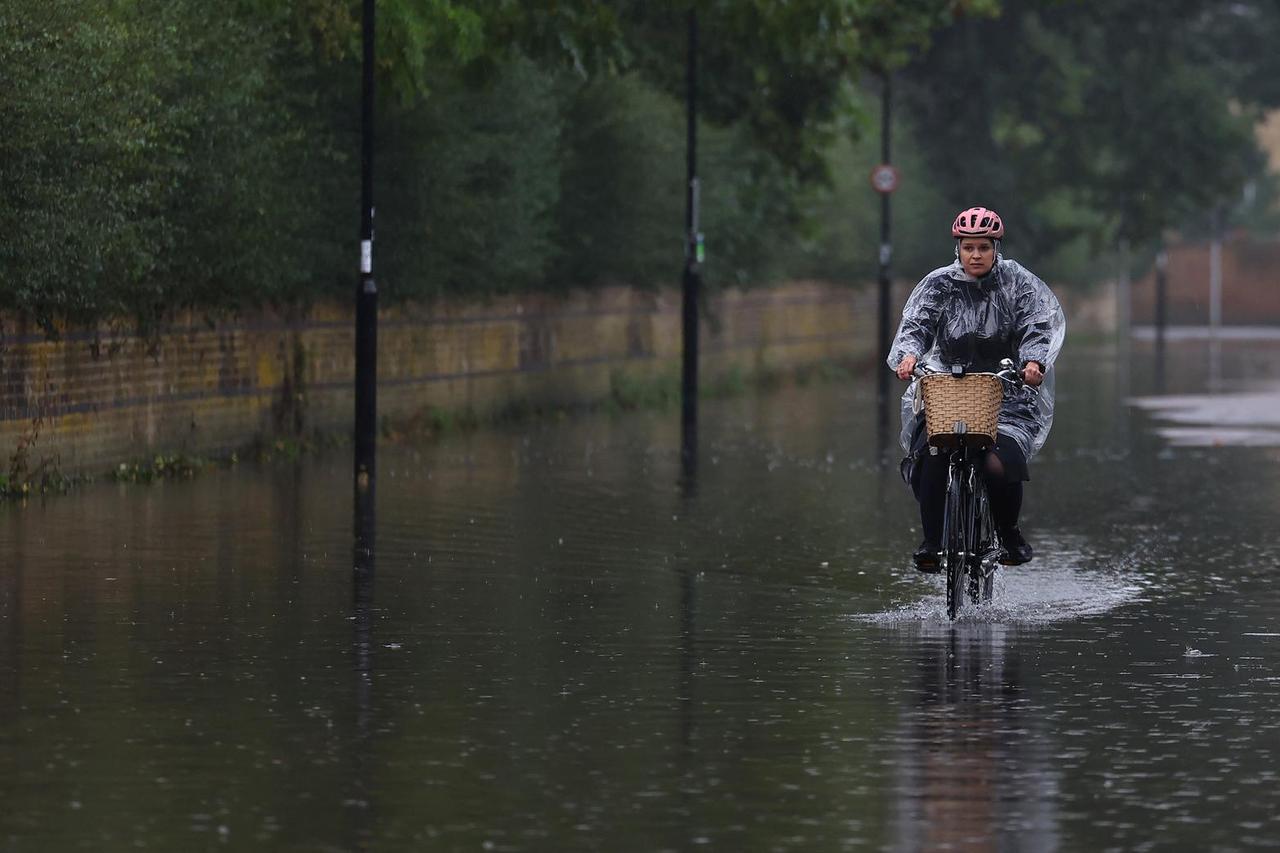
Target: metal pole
x,y
1124,317
366,401
1215,275
692,278
886,244
1162,312
1162,295
1215,302
366,290
364,651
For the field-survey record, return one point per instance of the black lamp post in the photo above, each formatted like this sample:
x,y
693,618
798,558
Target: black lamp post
x,y
366,414
693,257
886,247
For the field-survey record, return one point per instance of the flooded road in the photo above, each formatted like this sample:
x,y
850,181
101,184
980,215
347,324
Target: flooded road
x,y
562,650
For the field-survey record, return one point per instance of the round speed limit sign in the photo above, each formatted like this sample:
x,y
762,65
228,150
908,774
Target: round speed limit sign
x,y
884,178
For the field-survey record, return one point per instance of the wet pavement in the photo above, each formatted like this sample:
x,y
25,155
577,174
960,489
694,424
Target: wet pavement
x,y
561,649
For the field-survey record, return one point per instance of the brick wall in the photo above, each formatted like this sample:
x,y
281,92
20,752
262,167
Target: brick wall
x,y
96,397
1250,284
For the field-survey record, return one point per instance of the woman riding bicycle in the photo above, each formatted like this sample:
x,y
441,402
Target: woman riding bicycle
x,y
979,310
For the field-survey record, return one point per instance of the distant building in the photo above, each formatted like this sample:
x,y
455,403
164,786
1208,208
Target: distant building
x,y
1269,139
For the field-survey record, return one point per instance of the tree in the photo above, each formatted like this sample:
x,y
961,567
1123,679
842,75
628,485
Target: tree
x,y
785,70
418,40
779,82
1096,120
788,71
149,163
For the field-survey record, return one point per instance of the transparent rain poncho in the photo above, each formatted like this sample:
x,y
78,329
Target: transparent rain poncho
x,y
952,318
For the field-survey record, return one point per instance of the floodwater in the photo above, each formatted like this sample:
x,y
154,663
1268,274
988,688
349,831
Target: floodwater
x,y
560,649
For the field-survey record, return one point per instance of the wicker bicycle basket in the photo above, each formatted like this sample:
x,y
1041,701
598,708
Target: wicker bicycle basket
x,y
961,409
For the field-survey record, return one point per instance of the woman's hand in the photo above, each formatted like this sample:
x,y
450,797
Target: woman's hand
x,y
1033,373
905,367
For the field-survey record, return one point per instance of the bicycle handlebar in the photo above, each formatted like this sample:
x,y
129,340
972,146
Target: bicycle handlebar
x,y
1008,374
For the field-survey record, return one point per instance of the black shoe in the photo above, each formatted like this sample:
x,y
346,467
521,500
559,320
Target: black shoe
x,y
926,557
1016,550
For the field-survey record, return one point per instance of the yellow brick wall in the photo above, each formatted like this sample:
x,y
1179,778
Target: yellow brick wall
x,y
96,397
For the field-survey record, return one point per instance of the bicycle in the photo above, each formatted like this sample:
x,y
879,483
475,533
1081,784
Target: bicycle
x,y
961,421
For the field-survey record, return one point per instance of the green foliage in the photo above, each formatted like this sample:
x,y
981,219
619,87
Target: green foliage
x,y
824,372
628,392
541,179
730,383
622,185
622,200
173,466
621,204
418,40
29,471
470,180
164,154
840,235
1092,121
785,71
148,164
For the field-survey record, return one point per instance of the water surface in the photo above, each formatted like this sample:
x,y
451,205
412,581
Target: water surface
x,y
562,649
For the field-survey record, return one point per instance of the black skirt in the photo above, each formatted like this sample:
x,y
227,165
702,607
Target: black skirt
x,y
1013,460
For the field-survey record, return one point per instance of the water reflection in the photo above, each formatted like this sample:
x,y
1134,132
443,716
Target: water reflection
x,y
566,651
689,448
359,803
364,555
688,653
972,774
1192,360
1215,364
687,575
11,611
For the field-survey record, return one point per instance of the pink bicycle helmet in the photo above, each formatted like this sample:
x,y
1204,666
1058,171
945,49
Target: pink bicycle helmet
x,y
978,222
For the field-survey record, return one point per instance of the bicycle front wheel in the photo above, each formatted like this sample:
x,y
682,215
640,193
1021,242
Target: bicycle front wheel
x,y
954,546
985,551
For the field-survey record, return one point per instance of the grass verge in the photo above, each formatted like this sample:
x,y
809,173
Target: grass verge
x,y
627,393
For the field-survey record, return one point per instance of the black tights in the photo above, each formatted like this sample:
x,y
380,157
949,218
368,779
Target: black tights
x,y
931,491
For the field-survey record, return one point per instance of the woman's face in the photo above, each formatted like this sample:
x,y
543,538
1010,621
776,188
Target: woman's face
x,y
977,255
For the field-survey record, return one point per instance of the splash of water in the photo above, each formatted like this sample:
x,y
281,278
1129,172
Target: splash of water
x,y
1063,586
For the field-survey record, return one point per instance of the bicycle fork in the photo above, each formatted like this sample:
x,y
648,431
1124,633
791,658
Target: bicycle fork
x,y
970,512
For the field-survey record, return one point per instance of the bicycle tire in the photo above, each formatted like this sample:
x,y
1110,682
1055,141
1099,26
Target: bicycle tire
x,y
953,540
973,535
985,550
981,537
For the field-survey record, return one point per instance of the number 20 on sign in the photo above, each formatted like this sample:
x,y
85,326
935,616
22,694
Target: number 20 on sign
x,y
884,178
